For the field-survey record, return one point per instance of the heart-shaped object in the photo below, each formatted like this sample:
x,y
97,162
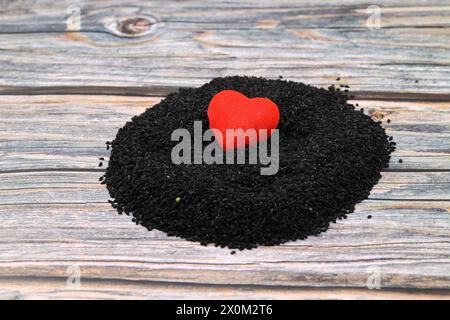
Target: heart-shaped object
x,y
231,109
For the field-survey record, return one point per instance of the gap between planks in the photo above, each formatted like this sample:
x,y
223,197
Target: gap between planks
x,y
162,91
40,170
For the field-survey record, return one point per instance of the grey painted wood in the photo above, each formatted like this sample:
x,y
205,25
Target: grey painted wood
x,y
70,131
84,187
163,43
45,288
407,241
66,88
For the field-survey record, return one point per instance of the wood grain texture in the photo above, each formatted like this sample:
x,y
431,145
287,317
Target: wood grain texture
x,y
84,187
50,196
66,87
70,131
172,43
50,288
406,241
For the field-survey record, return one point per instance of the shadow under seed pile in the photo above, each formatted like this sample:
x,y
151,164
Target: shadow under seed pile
x,y
330,158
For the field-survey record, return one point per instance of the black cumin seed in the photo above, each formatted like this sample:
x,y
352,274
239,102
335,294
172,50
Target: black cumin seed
x,y
233,205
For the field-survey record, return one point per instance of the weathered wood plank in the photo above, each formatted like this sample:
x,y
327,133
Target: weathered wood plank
x,y
45,15
53,208
98,16
36,288
69,131
84,187
407,242
187,43
75,233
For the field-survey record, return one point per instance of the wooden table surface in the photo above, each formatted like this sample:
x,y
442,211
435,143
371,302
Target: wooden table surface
x,y
72,74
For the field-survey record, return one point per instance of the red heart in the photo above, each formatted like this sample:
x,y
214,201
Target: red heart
x,y
230,109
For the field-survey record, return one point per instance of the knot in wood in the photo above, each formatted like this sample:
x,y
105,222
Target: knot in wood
x,y
134,26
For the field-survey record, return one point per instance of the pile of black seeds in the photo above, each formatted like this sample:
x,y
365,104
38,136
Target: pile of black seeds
x,y
330,158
